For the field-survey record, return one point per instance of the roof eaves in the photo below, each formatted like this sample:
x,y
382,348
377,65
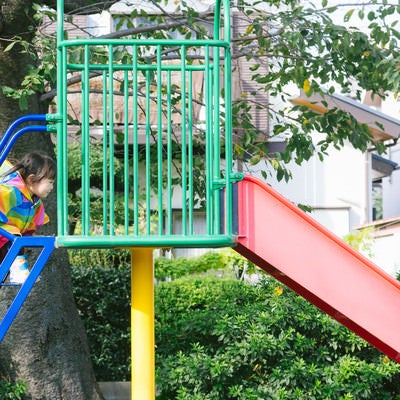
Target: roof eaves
x,y
382,126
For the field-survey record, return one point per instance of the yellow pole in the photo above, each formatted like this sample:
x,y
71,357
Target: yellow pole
x,y
142,324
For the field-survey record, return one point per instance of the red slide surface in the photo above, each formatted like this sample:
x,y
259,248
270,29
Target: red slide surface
x,y
305,256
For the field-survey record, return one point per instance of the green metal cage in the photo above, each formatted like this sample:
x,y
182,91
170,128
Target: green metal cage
x,y
150,123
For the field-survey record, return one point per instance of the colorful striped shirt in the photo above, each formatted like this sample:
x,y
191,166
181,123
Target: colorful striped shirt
x,y
24,212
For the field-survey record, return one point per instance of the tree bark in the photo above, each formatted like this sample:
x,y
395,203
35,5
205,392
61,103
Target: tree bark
x,y
46,345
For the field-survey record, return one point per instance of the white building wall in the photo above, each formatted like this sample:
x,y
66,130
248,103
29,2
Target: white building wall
x,y
385,253
337,188
391,187
391,184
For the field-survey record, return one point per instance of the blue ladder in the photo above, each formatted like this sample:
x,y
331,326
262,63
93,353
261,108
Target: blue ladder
x,y
47,243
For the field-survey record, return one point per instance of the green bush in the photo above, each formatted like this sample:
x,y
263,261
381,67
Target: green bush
x,y
178,267
12,391
221,339
103,300
102,294
226,339
100,257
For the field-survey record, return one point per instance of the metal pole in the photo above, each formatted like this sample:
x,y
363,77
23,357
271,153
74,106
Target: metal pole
x,y
142,324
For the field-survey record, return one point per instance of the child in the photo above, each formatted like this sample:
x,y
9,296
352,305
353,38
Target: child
x,y
22,188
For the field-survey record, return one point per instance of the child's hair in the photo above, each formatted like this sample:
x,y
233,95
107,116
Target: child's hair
x,y
38,164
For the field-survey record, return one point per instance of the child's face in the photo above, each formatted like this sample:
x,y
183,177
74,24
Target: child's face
x,y
41,188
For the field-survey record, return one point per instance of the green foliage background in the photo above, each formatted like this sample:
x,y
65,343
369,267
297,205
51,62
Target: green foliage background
x,y
222,338
12,391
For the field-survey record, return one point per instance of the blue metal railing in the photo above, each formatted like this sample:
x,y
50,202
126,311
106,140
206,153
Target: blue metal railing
x,y
7,141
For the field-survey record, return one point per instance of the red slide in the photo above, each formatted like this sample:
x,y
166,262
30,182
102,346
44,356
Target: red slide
x,y
291,246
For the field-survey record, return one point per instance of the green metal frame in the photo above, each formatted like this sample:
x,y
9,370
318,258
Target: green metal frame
x,y
149,126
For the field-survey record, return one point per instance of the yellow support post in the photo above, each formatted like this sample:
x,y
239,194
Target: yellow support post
x,y
142,324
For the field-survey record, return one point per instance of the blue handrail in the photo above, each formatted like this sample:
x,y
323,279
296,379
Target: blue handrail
x,y
19,121
6,146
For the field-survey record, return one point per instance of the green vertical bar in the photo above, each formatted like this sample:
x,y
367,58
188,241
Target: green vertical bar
x,y
169,155
216,117
184,155
62,161
227,24
111,135
62,144
148,152
126,153
159,81
85,145
135,96
216,139
217,17
228,143
105,154
208,84
190,152
228,119
64,152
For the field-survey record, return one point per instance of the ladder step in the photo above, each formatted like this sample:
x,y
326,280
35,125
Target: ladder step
x,y
5,284
47,245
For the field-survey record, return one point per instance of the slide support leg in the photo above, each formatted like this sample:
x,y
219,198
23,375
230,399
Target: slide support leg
x,y
142,324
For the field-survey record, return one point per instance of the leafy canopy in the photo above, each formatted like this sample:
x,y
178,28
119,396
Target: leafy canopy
x,y
288,45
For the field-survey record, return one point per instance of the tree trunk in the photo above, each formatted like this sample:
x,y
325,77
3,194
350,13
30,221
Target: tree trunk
x,y
46,345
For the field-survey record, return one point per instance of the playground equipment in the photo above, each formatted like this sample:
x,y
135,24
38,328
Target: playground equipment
x,y
140,98
150,101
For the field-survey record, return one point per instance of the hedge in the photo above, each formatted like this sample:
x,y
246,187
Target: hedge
x,y
226,339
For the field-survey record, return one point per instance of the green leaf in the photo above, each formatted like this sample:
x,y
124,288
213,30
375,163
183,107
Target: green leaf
x,y
348,15
10,46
